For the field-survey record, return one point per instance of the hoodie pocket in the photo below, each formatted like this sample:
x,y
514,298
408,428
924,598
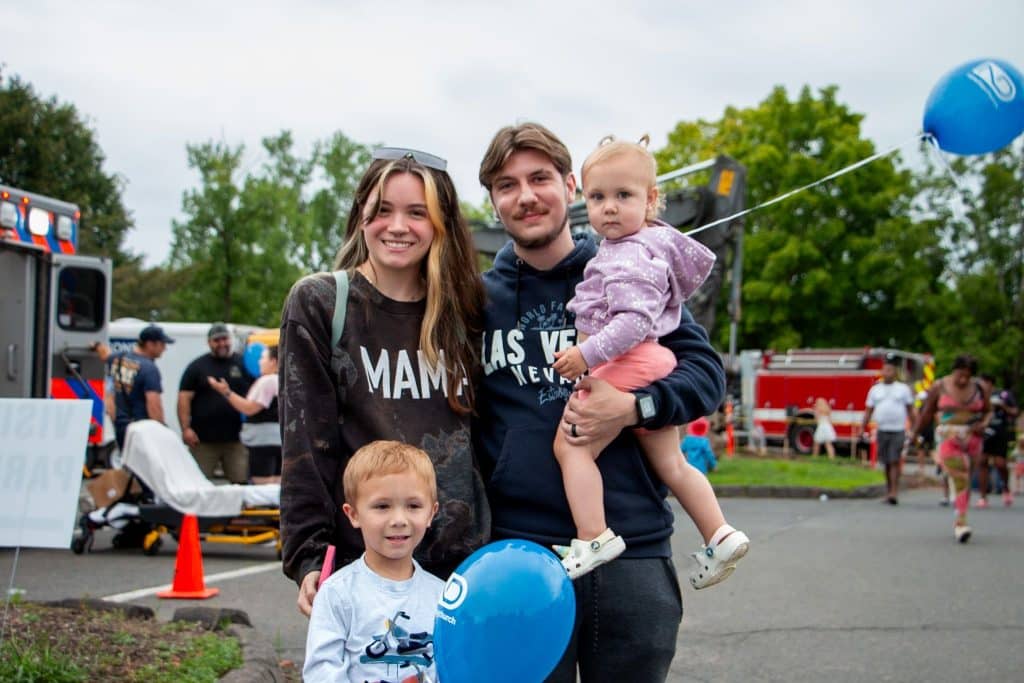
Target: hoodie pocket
x,y
527,469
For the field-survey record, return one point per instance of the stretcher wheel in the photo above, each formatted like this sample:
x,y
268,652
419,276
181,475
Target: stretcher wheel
x,y
152,543
80,542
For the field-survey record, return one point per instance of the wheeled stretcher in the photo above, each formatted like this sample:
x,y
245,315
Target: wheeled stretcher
x,y
175,486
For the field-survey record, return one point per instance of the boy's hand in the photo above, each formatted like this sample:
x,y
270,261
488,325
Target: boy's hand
x,y
569,363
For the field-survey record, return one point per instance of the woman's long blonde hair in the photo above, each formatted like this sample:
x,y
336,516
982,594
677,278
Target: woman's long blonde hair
x,y
455,295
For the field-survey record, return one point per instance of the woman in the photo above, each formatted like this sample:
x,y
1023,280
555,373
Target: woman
x,y
261,433
403,368
963,411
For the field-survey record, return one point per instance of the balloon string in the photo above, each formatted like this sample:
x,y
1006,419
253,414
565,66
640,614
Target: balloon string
x,y
957,205
831,176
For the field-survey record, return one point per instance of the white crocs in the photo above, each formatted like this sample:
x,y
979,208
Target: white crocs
x,y
715,562
580,557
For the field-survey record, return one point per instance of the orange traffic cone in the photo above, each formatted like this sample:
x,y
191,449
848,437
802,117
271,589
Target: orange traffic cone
x,y
188,566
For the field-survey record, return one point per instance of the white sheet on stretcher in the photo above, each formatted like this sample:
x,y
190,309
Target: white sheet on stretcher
x,y
157,455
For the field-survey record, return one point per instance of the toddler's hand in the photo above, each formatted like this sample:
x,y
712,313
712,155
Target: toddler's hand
x,y
569,363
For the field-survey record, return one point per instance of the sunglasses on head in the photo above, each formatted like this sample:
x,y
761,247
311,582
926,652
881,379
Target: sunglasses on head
x,y
422,158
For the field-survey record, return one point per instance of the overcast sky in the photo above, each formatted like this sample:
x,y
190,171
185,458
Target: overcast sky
x,y
443,76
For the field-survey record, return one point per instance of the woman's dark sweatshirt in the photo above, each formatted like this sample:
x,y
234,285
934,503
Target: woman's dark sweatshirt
x,y
521,399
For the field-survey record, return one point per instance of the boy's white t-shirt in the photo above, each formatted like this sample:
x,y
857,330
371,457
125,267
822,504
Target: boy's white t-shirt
x,y
349,638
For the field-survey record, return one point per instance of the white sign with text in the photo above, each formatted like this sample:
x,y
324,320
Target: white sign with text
x,y
42,448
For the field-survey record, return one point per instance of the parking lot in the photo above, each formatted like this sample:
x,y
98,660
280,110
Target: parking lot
x,y
838,590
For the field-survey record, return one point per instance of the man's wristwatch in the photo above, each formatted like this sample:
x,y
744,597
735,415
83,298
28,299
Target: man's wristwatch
x,y
645,410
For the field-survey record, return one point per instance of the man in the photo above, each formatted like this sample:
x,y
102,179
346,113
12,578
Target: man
x,y
890,403
209,425
629,610
135,381
998,435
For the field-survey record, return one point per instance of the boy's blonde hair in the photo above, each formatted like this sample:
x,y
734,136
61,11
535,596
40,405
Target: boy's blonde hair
x,y
610,148
380,458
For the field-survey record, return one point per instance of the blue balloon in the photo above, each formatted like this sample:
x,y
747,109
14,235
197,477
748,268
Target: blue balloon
x,y
506,614
977,107
251,358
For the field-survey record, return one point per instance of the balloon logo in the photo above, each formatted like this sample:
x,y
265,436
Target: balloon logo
x,y
506,615
251,358
976,108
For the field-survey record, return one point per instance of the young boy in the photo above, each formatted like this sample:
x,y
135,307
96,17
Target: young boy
x,y
373,619
632,293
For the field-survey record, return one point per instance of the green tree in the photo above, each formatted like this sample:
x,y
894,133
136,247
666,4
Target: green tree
x,y
980,217
839,265
49,149
340,163
232,251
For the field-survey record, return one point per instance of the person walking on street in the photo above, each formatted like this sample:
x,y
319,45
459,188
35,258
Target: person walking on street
x,y
997,439
628,611
209,425
890,402
962,409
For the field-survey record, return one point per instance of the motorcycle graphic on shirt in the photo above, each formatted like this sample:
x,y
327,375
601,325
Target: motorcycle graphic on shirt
x,y
398,647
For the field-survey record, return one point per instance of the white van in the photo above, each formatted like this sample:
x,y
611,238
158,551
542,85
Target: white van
x,y
189,344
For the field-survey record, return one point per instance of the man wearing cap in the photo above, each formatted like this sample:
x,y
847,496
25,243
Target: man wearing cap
x,y
209,425
135,380
890,403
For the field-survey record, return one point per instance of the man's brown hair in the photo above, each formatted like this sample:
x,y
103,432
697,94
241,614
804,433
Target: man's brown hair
x,y
516,138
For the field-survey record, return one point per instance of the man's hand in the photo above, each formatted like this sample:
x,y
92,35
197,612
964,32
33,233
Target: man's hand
x,y
190,437
570,363
307,591
599,415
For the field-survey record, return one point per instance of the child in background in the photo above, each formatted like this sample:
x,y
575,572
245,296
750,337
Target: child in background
x,y
377,613
632,292
697,448
824,433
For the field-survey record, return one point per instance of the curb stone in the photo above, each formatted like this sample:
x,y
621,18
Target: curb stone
x,y
259,659
873,491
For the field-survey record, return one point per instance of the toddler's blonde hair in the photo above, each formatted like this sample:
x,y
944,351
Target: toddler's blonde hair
x,y
610,148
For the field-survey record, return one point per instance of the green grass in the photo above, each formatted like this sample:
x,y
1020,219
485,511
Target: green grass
x,y
820,472
45,644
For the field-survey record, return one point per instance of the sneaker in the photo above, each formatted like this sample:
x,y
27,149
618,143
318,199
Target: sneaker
x,y
715,562
581,557
962,533
981,504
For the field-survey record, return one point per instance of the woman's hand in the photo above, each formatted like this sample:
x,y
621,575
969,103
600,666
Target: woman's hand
x,y
307,591
600,415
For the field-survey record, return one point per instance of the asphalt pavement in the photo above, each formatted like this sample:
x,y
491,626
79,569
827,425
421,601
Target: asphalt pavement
x,y
836,590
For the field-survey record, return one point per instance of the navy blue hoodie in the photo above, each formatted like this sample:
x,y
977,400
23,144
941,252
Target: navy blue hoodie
x,y
521,399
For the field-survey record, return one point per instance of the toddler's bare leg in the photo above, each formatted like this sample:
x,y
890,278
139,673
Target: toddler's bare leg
x,y
688,485
584,487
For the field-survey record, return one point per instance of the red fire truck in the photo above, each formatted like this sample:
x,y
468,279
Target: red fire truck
x,y
54,304
778,390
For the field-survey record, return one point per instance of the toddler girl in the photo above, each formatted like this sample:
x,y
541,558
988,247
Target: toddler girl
x,y
632,293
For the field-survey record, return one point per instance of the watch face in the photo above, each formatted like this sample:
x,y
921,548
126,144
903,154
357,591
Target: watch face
x,y
646,404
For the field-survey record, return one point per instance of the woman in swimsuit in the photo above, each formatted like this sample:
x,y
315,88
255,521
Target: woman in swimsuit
x,y
961,409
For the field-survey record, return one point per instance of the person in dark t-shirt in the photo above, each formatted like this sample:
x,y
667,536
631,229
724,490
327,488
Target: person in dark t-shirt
x,y
209,425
